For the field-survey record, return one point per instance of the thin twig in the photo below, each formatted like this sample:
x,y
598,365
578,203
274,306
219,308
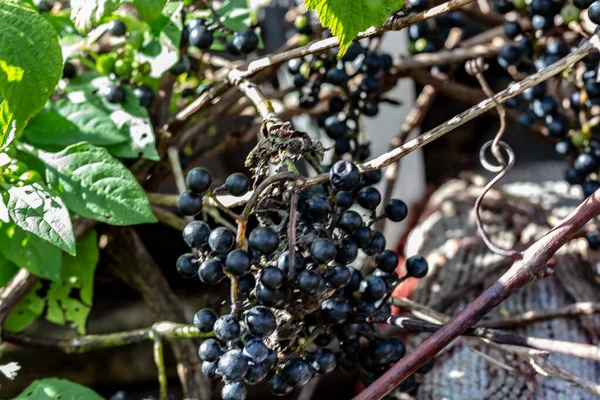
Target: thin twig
x,y
173,154
159,360
570,311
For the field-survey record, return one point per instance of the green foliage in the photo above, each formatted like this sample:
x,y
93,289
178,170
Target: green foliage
x,y
347,18
57,389
149,10
127,124
30,66
30,308
95,185
35,209
7,270
77,273
161,50
86,13
28,251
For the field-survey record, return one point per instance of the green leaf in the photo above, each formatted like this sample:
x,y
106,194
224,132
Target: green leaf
x,y
346,18
35,209
30,252
57,389
30,66
77,273
28,310
7,270
130,118
95,185
73,123
161,50
149,10
86,13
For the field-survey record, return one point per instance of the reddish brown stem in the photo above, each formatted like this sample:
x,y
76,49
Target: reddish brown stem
x,y
529,268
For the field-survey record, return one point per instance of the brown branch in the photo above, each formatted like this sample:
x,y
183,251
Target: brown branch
x,y
530,267
14,291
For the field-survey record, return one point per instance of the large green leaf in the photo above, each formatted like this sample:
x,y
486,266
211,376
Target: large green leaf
x,y
86,13
149,10
346,18
30,308
30,252
57,389
36,210
95,185
77,273
130,118
73,123
30,66
7,270
161,50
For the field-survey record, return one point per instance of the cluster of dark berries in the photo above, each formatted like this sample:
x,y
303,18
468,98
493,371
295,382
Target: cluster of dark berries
x,y
200,33
293,298
535,42
358,76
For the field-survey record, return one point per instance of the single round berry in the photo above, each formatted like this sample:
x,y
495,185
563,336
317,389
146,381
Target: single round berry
x,y
245,41
349,221
210,350
290,269
115,94
593,239
260,321
362,237
189,203
263,240
396,210
376,244
221,240
234,391
336,309
233,365
427,367
201,37
323,361
344,175
120,395
350,346
237,262
272,277
347,251
237,184
276,298
344,200
318,206
204,320
257,372
255,350
227,328
387,261
416,266
144,94
369,198
594,12
187,265
246,283
308,282
209,369
585,163
338,276
195,234
297,372
198,180
323,251
211,272
373,288
278,386
117,28
69,70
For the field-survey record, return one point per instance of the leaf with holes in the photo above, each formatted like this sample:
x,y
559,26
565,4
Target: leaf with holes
x,y
57,389
30,252
35,209
77,273
28,310
30,66
86,13
347,18
95,185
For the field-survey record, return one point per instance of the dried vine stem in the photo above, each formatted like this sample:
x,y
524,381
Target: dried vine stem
x,y
570,311
532,266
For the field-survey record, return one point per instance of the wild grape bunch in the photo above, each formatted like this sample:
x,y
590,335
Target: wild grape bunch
x,y
293,300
